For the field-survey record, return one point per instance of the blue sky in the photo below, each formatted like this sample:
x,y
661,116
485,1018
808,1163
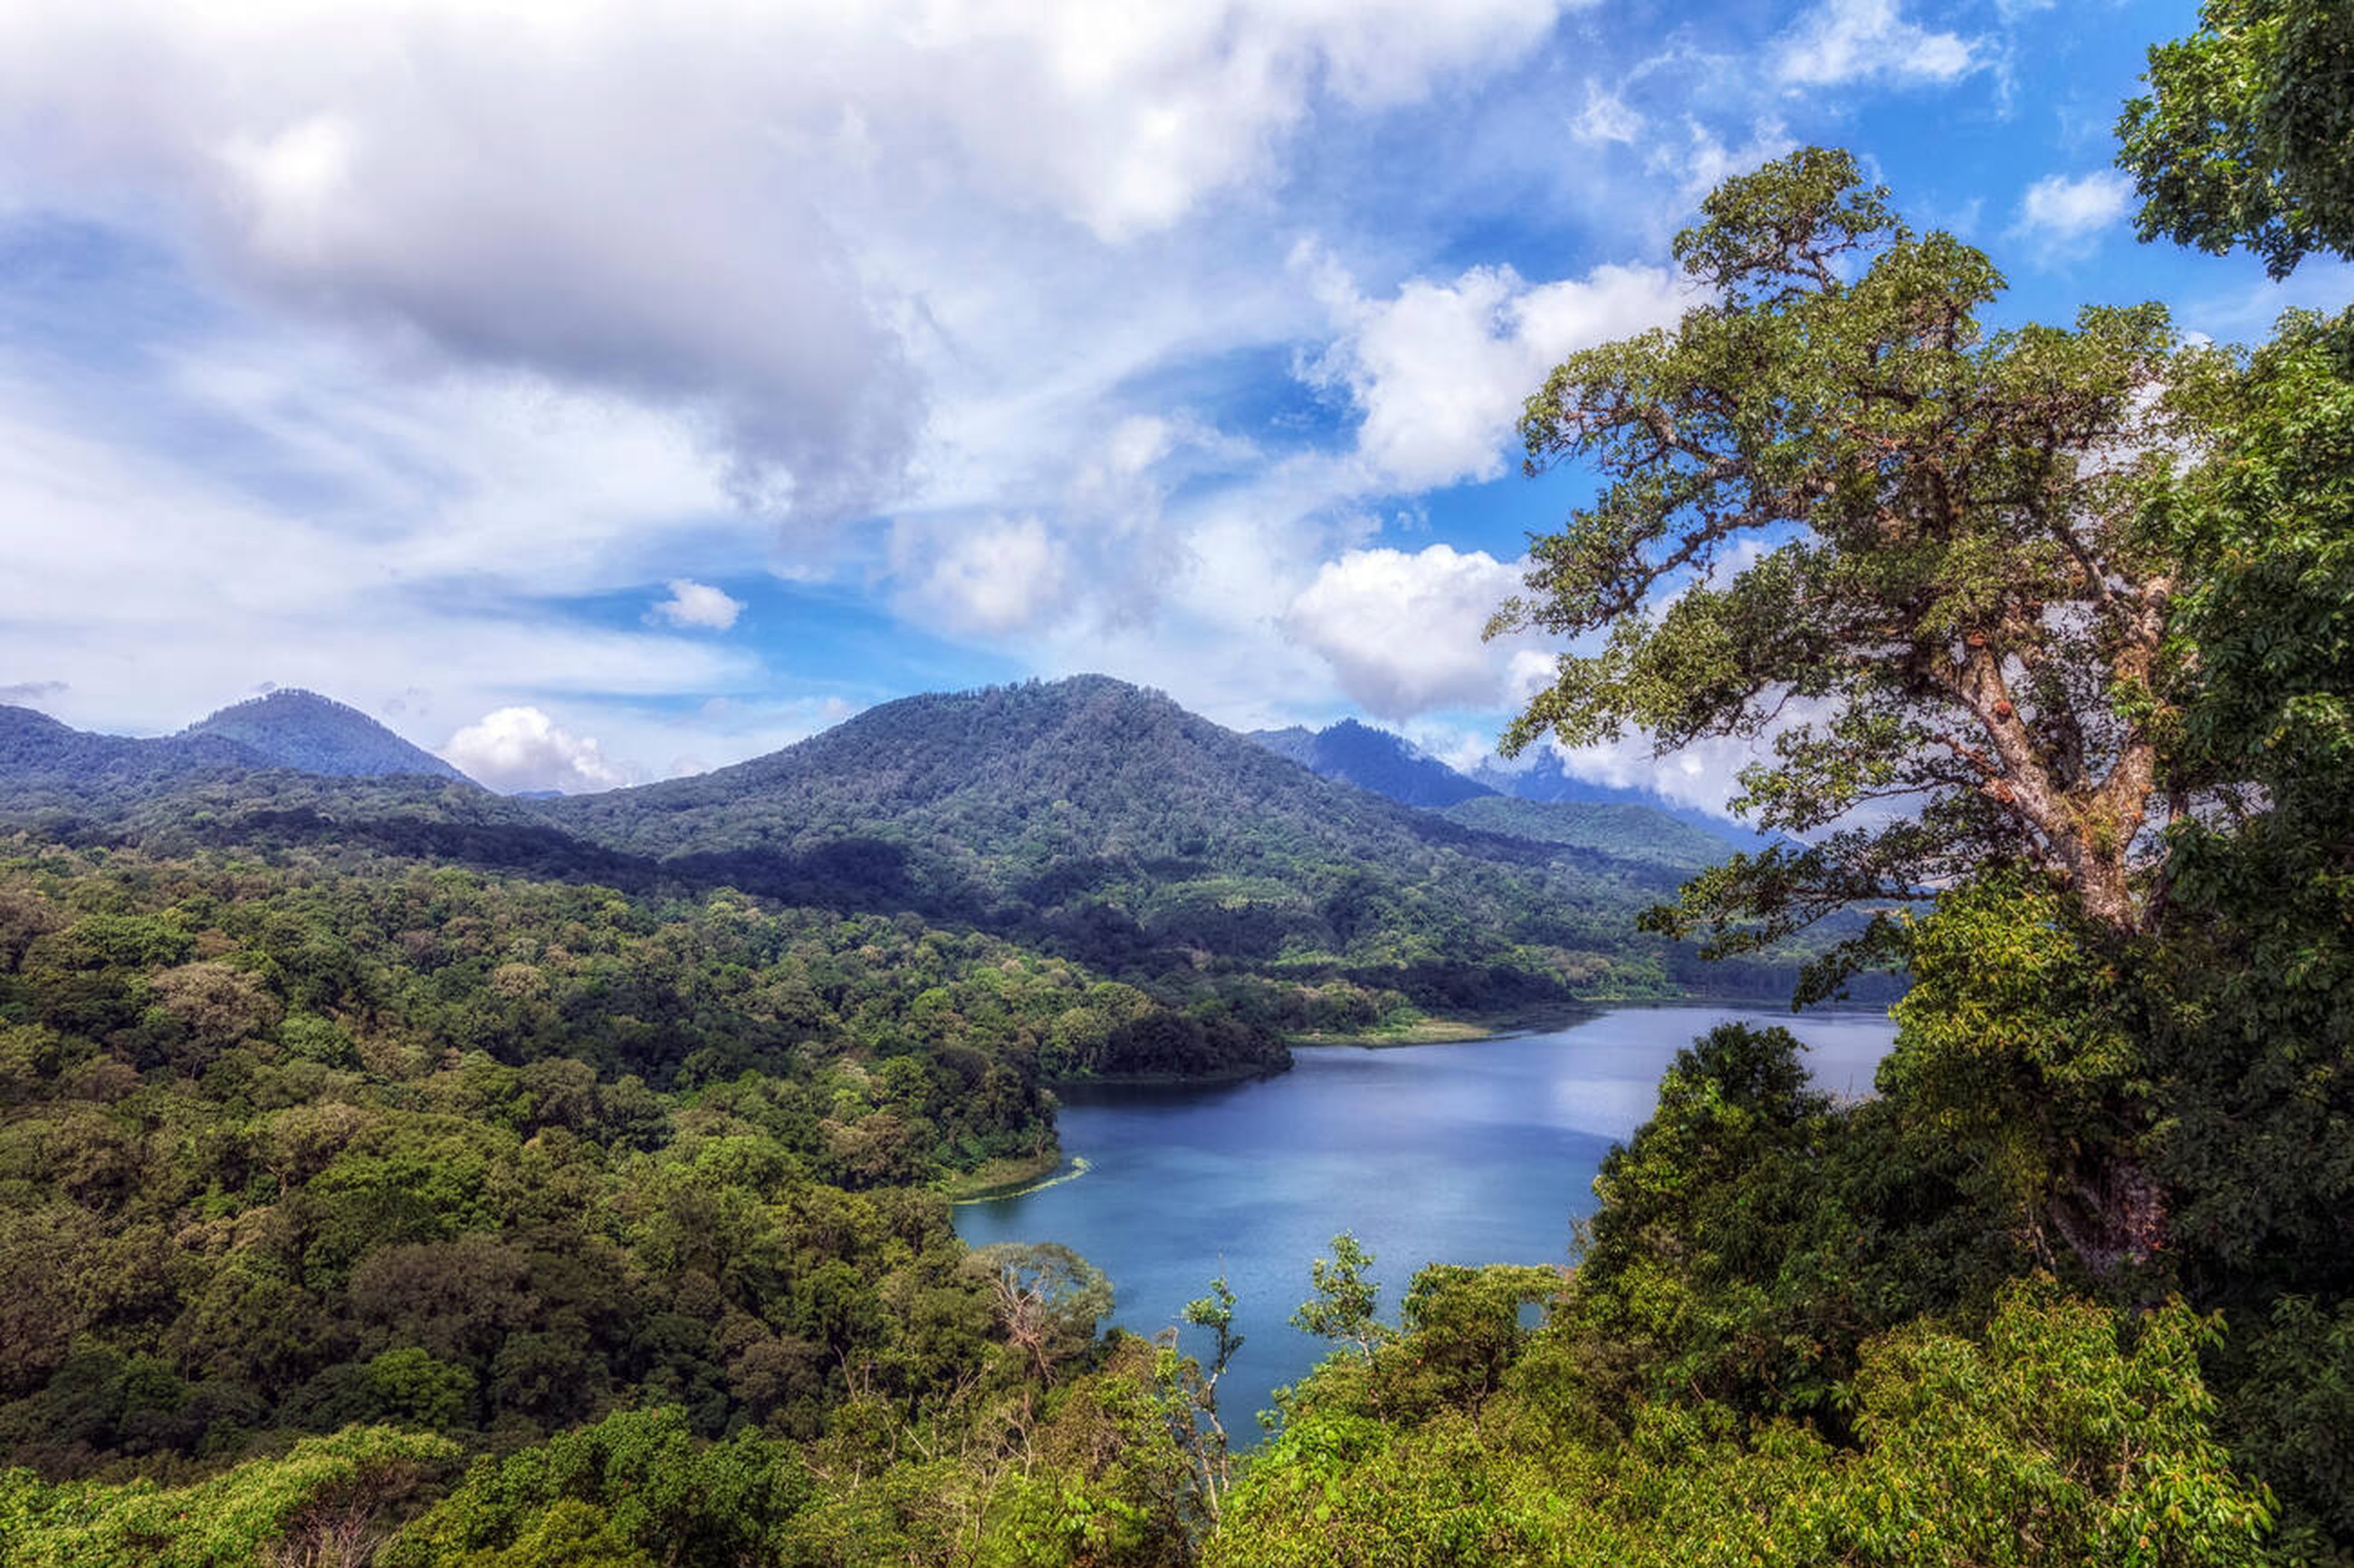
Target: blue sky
x,y
598,392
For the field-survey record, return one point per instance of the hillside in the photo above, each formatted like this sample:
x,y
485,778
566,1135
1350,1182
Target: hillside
x,y
1374,759
1620,829
1625,824
1086,818
303,730
49,767
1111,821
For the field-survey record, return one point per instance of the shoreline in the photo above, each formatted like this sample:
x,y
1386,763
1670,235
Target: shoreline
x,y
1468,1029
1165,1080
1077,1166
1003,1175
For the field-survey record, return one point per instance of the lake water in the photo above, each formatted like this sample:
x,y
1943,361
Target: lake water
x,y
1473,1153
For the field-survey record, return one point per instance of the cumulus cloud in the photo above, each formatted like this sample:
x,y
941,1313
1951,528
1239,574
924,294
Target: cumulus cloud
x,y
522,748
1440,370
2066,213
1849,40
693,603
991,577
31,694
1402,632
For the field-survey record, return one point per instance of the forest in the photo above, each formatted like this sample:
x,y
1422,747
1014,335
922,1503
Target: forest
x,y
1086,818
362,1208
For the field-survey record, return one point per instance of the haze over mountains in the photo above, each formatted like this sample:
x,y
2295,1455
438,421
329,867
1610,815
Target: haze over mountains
x,y
1390,765
1086,816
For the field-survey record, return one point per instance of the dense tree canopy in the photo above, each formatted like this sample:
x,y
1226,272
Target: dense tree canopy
x,y
2247,136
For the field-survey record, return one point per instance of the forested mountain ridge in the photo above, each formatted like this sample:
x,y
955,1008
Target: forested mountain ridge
x,y
302,730
47,766
1085,817
1541,803
1545,780
1373,759
1094,814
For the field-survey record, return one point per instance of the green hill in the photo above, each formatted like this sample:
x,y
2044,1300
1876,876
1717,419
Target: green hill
x,y
1109,821
303,730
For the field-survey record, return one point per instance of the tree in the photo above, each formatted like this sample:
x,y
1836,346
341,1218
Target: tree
x,y
1048,1299
2247,136
1345,1300
1838,512
1190,1392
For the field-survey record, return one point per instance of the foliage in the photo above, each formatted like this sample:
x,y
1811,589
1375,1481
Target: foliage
x,y
636,1487
1755,1232
2057,1437
1905,551
327,1503
285,1150
2247,136
1343,1306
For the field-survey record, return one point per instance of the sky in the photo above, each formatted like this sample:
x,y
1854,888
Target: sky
x,y
597,392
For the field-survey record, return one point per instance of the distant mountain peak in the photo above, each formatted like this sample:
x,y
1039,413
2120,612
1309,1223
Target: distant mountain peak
x,y
296,729
1374,759
1543,778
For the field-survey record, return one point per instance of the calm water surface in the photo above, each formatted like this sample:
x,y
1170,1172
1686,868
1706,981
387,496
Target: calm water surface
x,y
1472,1153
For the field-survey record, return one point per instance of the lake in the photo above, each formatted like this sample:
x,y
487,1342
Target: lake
x,y
1472,1153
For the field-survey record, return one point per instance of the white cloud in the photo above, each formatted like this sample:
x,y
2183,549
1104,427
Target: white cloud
x,y
2068,212
992,578
693,603
1402,633
1604,118
124,566
1705,162
33,693
1441,370
724,211
522,748
1849,40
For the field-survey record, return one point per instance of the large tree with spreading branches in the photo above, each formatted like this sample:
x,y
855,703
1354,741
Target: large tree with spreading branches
x,y
1842,516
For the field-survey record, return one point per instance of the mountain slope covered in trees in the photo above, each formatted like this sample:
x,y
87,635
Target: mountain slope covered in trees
x,y
1619,829
1102,817
302,730
1373,759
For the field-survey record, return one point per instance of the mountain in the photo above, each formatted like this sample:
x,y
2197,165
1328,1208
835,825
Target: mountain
x,y
1083,818
1623,823
1373,759
48,767
1546,780
313,733
1618,828
1110,822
